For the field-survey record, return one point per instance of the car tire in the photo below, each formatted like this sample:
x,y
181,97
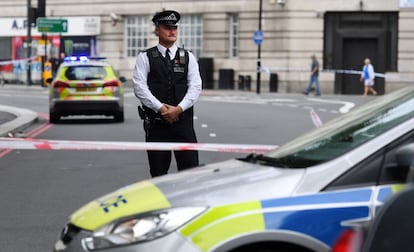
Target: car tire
x,y
119,116
54,117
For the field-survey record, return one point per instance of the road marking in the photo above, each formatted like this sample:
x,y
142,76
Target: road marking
x,y
347,106
293,103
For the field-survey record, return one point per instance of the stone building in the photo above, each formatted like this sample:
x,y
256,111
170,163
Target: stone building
x,y
341,33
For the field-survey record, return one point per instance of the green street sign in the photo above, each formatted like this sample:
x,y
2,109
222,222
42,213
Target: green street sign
x,y
52,25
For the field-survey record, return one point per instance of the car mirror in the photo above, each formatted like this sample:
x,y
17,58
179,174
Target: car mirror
x,y
405,157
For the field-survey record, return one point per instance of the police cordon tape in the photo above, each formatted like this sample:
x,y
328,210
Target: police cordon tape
x,y
340,71
42,144
10,62
315,119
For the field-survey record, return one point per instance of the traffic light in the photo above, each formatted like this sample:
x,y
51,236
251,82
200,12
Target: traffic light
x,y
41,8
40,11
32,15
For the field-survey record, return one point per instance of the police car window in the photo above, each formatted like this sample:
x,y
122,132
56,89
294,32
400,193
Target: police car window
x,y
365,173
391,172
85,73
347,132
379,168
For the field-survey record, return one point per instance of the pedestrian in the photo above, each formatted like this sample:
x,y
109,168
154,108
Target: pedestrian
x,y
368,77
167,82
62,56
314,75
54,61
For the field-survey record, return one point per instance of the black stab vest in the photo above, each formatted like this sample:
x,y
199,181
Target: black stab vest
x,y
168,82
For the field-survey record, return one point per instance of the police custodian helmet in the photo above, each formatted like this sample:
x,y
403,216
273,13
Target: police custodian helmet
x,y
167,17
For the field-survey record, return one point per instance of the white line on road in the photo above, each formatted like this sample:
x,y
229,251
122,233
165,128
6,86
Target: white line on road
x,y
347,106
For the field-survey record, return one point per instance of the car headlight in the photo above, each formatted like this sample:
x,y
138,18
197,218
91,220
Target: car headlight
x,y
141,228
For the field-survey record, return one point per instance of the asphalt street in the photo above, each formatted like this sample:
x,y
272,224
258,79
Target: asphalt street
x,y
40,189
6,117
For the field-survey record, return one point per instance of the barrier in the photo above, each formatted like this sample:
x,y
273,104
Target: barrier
x,y
42,144
14,71
315,119
340,71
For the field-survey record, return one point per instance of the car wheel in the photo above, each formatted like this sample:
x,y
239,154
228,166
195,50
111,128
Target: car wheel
x,y
54,117
119,116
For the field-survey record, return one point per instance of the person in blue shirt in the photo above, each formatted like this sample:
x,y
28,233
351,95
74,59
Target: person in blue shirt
x,y
368,77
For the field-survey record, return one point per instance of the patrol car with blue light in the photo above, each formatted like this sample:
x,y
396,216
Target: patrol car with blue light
x,y
86,86
299,197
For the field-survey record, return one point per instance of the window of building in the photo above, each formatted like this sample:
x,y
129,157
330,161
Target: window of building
x,y
191,34
137,34
234,35
6,48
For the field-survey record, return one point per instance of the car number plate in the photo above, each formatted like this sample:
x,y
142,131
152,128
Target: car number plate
x,y
86,89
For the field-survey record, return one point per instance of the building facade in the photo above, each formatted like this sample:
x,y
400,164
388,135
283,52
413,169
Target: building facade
x,y
341,33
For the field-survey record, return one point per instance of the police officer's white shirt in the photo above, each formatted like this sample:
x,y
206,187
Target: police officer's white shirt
x,y
140,78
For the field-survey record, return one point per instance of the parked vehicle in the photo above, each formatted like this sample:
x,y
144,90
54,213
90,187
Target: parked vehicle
x,y
86,86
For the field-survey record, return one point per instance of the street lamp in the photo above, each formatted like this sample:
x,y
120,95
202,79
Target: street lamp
x,y
30,16
259,40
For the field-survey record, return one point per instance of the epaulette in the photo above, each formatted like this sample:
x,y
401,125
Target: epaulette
x,y
153,52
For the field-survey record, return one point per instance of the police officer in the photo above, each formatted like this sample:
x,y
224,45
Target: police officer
x,y
167,82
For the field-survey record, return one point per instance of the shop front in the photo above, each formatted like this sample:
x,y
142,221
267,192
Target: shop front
x,y
80,39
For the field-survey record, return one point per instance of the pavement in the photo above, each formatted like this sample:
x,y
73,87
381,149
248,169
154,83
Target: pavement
x,y
15,119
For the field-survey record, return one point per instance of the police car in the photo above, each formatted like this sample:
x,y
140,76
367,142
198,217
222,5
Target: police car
x,y
299,197
86,86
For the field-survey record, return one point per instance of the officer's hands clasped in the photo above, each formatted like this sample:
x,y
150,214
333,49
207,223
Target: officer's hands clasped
x,y
170,113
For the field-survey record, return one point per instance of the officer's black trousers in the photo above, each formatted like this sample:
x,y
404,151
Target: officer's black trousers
x,y
181,131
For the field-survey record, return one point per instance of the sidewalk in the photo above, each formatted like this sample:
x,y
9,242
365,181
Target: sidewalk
x,y
14,119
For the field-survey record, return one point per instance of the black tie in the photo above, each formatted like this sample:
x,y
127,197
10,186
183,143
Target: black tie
x,y
167,55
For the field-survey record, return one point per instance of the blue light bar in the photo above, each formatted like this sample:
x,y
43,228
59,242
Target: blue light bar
x,y
82,58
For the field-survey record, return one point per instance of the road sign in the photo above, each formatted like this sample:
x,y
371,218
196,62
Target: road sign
x,y
52,25
258,37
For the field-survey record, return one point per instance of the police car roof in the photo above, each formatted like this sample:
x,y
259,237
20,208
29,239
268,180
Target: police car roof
x,y
86,63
